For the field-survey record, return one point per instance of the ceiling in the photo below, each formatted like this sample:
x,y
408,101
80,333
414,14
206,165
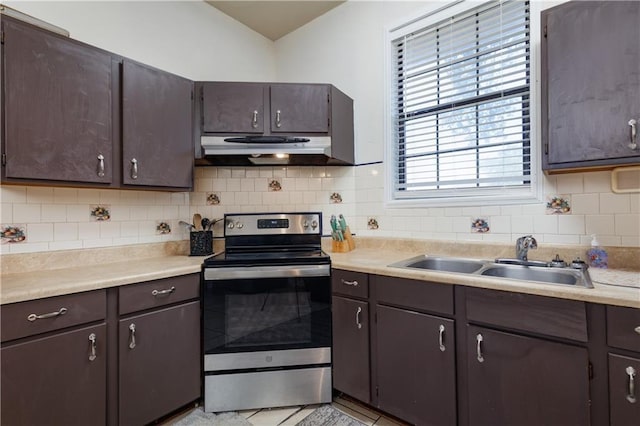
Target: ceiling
x,y
274,19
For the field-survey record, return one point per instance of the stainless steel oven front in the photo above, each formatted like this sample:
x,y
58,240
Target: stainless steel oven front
x,y
266,333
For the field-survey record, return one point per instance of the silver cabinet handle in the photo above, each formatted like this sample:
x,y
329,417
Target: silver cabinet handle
x,y
33,317
100,165
278,124
254,120
92,346
479,348
637,329
161,292
353,283
634,133
132,336
441,337
631,395
134,168
358,323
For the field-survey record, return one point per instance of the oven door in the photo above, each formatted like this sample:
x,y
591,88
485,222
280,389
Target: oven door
x,y
266,308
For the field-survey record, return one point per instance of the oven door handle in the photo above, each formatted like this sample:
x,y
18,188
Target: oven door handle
x,y
256,272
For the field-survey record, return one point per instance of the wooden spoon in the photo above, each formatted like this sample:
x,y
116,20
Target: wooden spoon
x,y
197,222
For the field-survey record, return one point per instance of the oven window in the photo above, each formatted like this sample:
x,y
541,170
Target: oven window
x,y
266,314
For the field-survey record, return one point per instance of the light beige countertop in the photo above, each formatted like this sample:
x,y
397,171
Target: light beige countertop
x,y
40,275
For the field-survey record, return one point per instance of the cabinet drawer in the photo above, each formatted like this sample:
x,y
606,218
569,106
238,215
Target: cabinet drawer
x,y
526,312
623,328
420,295
58,312
153,294
350,283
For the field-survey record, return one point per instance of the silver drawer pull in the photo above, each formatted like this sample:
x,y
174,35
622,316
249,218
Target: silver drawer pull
x,y
92,346
134,168
278,123
358,323
161,292
479,348
100,165
637,329
634,134
132,336
441,337
254,121
352,283
631,395
33,317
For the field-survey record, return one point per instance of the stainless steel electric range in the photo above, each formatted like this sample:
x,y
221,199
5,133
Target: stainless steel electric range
x,y
267,314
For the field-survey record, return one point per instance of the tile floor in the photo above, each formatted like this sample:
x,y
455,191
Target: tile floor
x,y
289,416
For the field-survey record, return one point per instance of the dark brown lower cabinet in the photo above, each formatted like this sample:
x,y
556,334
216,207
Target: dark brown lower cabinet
x,y
624,390
416,366
351,347
159,362
56,380
518,380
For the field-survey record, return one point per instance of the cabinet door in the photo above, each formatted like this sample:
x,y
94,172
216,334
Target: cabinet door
x,y
592,80
299,108
624,390
159,362
57,106
157,137
517,380
416,366
53,381
350,319
233,108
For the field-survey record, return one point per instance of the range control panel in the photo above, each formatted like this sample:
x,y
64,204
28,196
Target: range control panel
x,y
272,224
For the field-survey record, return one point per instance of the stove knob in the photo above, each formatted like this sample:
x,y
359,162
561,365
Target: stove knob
x,y
314,224
239,225
230,225
305,224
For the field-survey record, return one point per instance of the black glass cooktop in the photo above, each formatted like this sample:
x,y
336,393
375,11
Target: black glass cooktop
x,y
267,257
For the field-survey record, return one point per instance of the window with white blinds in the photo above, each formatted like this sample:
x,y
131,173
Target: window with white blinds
x,y
461,103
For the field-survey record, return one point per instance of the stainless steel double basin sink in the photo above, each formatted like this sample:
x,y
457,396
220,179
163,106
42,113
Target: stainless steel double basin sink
x,y
511,268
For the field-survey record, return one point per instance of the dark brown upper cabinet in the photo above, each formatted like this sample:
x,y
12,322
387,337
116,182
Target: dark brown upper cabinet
x,y
590,85
57,107
233,107
157,141
299,108
263,108
66,121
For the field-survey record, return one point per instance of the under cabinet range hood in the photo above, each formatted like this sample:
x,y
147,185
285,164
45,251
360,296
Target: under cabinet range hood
x,y
267,150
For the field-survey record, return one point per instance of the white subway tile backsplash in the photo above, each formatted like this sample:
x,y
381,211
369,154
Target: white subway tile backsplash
x,y
571,224
614,203
585,203
545,224
627,225
569,184
600,224
39,232
64,222
13,194
27,213
39,195
65,195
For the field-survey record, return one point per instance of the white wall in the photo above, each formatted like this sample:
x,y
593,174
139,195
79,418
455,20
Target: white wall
x,y
188,38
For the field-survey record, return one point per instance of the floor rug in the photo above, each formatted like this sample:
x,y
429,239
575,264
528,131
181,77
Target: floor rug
x,y
327,415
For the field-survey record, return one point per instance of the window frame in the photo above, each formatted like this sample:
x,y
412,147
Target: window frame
x,y
467,196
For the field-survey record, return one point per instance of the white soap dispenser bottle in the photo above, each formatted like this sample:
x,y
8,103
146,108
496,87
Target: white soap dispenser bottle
x,y
596,255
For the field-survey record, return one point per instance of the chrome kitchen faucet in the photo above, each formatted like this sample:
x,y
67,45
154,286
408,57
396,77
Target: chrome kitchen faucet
x,y
523,244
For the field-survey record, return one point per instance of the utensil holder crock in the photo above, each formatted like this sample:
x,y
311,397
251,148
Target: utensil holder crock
x,y
201,243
